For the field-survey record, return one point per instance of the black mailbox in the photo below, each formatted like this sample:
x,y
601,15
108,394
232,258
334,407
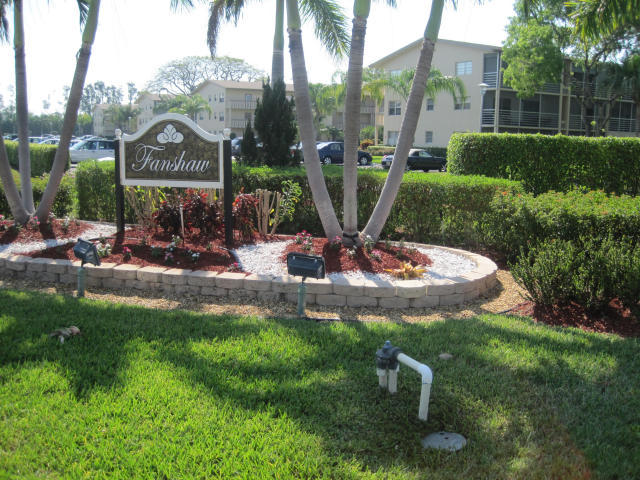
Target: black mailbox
x,y
305,265
87,252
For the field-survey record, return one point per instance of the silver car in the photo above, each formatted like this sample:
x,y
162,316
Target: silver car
x,y
94,148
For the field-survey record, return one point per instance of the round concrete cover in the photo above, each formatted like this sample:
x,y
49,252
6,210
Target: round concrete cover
x,y
444,441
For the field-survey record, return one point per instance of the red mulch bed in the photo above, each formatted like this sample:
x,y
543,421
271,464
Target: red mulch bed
x,y
43,232
338,260
615,318
213,256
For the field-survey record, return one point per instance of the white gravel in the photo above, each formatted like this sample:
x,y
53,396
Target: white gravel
x,y
260,258
98,230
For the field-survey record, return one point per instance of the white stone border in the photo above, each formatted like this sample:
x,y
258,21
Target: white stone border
x,y
418,293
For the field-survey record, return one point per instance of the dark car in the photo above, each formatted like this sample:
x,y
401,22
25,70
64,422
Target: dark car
x,y
333,152
419,160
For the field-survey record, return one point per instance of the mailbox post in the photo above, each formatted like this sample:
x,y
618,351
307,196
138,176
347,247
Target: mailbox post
x,y
86,252
304,265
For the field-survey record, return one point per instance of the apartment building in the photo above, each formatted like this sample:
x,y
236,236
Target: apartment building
x,y
556,109
147,102
232,104
102,122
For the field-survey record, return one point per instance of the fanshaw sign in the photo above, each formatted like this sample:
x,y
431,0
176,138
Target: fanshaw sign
x,y
173,151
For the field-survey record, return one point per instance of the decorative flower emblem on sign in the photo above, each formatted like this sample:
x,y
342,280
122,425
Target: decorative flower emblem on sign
x,y
170,135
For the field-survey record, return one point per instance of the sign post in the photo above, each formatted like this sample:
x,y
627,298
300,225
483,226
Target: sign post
x,y
119,188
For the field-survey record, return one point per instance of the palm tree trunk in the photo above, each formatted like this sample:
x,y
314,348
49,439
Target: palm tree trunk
x,y
71,112
22,109
304,114
277,59
352,122
19,213
409,124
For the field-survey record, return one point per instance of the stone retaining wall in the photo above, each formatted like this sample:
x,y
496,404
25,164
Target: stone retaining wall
x,y
344,292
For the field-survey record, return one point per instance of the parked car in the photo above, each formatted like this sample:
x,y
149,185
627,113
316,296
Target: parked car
x,y
333,152
50,141
419,160
92,149
236,145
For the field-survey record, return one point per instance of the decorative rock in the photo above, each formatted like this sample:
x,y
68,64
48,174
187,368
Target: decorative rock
x,y
104,270
150,274
37,264
17,263
58,266
444,441
379,288
285,284
175,276
425,302
331,300
394,302
362,301
126,272
256,282
202,278
322,286
411,288
441,287
230,280
348,286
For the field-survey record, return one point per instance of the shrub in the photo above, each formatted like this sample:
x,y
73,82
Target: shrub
x,y
365,144
545,163
95,183
518,221
62,203
590,272
244,212
41,157
381,150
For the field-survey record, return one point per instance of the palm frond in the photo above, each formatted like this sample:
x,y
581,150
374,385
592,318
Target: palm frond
x,y
4,23
83,10
331,26
221,11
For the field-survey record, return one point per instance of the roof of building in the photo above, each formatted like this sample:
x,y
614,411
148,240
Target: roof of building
x,y
418,42
229,84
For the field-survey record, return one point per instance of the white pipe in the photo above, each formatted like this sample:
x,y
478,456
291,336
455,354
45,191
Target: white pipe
x,y
393,380
427,379
382,377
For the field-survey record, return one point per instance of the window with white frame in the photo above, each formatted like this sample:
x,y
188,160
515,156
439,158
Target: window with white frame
x,y
428,137
392,137
221,117
463,103
221,98
429,104
463,68
394,107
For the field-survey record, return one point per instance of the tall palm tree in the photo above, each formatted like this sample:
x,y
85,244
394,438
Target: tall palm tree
x,y
329,27
373,85
597,17
317,184
361,9
191,106
409,123
436,83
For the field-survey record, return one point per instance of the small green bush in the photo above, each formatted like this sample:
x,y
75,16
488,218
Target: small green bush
x,y
95,183
41,157
62,203
588,271
518,221
545,163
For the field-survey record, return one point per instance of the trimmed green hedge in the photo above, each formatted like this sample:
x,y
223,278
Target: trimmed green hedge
x,y
41,156
430,207
522,221
62,204
545,163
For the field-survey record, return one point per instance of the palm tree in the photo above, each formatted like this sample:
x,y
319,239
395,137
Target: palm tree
x,y
409,122
597,17
190,106
329,22
373,85
317,184
361,9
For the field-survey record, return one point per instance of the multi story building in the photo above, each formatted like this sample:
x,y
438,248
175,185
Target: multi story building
x,y
555,109
102,122
232,104
147,103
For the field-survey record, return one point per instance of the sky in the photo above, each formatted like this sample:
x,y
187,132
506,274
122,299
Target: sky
x,y
137,37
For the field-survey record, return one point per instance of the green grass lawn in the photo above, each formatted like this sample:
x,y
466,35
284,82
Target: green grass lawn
x,y
173,394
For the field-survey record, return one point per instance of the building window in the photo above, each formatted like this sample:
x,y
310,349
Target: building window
x,y
209,98
221,117
222,98
394,108
428,137
463,68
392,137
463,103
429,104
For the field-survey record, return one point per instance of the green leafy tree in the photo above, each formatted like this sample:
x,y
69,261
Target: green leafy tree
x,y
276,124
249,148
190,106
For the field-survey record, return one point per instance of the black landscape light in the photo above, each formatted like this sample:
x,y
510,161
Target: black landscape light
x,y
304,265
86,252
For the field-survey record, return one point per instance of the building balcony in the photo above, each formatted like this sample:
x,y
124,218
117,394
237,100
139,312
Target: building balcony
x,y
239,122
519,118
622,125
242,105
